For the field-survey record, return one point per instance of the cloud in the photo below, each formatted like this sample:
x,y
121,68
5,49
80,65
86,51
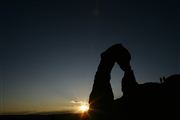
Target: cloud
x,y
76,102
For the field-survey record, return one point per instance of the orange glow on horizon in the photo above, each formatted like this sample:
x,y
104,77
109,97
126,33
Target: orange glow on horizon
x,y
84,108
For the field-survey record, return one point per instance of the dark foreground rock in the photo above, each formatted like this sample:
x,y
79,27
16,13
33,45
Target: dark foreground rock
x,y
149,101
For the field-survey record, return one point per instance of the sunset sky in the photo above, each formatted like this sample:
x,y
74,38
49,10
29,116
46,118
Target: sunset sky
x,y
50,49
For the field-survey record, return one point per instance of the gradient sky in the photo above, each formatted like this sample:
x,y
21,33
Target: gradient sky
x,y
50,50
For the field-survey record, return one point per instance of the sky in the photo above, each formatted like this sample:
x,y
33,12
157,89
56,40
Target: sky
x,y
50,49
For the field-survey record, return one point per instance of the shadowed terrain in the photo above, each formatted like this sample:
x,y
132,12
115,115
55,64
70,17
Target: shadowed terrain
x,y
42,117
148,101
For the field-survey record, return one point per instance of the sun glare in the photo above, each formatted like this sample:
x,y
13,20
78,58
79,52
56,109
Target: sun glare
x,y
84,107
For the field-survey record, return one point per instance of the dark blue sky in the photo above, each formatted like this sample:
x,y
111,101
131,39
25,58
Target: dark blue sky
x,y
51,49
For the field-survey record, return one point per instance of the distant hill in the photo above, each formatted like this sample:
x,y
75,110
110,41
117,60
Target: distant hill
x,y
67,116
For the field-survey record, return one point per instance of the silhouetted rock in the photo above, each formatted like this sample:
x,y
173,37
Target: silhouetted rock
x,y
148,101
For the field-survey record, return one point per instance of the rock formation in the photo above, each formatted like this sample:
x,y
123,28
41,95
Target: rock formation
x,y
149,101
